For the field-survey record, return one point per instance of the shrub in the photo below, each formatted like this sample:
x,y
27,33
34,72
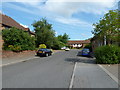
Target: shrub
x,y
17,40
15,48
42,46
107,54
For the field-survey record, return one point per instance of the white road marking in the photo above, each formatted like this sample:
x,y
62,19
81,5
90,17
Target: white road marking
x,y
110,74
73,75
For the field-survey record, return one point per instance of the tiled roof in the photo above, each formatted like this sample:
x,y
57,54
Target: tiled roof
x,y
8,21
78,41
32,33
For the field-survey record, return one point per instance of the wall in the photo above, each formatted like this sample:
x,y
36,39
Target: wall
x,y
1,27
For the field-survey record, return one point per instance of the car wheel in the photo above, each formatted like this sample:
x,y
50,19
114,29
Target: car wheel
x,y
37,54
51,53
46,54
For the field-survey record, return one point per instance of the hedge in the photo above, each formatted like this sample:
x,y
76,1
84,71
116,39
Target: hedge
x,y
108,54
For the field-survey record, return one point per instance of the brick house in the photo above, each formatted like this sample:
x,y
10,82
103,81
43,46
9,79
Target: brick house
x,y
97,42
78,43
8,22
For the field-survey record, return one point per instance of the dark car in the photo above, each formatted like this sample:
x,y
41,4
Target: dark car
x,y
44,52
86,52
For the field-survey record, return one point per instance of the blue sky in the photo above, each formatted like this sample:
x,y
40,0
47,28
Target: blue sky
x,y
74,17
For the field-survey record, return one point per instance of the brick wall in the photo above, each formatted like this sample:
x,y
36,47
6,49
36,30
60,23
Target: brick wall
x,y
1,41
1,27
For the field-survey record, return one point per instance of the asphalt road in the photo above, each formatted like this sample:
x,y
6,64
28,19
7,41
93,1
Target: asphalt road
x,y
56,71
45,72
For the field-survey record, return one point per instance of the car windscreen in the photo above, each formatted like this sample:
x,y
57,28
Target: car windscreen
x,y
86,50
44,50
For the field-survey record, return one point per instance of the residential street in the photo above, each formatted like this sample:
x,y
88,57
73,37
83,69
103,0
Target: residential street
x,y
45,72
56,71
61,44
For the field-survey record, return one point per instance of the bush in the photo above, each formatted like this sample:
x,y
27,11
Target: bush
x,y
15,48
17,40
42,46
107,54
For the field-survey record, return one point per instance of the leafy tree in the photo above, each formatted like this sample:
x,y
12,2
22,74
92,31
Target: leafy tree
x,y
57,44
63,38
108,27
17,40
44,33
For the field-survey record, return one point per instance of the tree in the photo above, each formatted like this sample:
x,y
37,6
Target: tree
x,y
63,38
57,44
108,28
16,39
44,33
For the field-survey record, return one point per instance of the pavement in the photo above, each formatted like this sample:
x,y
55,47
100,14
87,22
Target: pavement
x,y
62,70
13,58
87,74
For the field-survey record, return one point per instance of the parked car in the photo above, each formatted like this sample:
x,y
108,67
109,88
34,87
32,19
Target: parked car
x,y
44,52
85,52
63,48
67,49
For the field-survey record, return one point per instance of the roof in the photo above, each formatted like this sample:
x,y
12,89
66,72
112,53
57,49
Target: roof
x,y
78,41
8,21
32,33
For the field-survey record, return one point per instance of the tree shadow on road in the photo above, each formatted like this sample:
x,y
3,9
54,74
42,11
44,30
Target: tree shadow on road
x,y
81,60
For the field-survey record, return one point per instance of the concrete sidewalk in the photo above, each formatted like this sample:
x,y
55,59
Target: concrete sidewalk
x,y
87,74
20,58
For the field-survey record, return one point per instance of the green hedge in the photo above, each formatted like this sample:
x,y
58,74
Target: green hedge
x,y
17,40
107,54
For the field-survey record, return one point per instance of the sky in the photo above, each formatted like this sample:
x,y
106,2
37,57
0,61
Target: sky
x,y
74,17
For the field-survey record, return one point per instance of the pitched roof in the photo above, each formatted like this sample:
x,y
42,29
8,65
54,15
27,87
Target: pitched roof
x,y
32,33
8,21
78,41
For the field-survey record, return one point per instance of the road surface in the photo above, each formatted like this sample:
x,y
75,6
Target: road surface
x,y
56,71
45,72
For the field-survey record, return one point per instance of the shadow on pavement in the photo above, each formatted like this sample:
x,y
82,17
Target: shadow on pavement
x,y
39,56
81,60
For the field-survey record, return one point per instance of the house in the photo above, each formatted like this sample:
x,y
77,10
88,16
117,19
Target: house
x,y
97,42
78,43
8,22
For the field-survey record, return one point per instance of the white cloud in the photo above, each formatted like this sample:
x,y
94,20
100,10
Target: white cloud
x,y
69,8
63,10
72,21
1,11
58,0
